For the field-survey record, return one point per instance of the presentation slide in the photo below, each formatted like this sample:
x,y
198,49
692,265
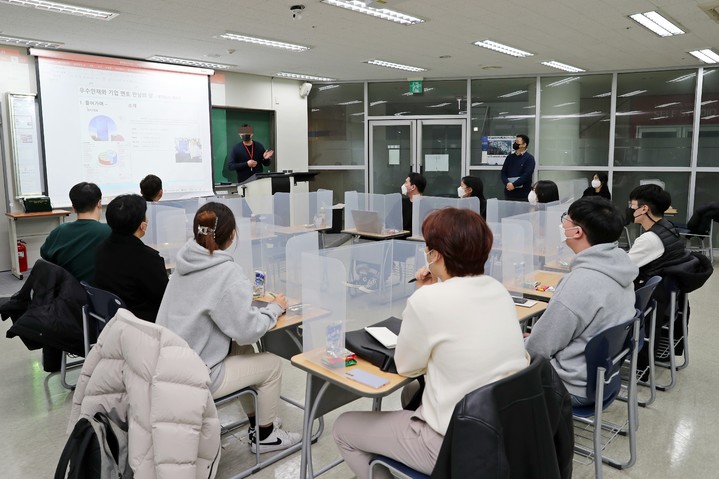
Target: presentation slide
x,y
110,122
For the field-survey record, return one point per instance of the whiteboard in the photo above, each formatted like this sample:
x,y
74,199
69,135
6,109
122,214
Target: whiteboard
x,y
25,145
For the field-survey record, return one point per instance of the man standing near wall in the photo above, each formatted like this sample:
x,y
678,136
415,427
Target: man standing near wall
x,y
517,171
247,156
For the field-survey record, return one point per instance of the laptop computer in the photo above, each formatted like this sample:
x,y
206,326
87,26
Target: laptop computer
x,y
367,221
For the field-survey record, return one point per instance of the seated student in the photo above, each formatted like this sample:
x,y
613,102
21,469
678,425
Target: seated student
x,y
412,187
598,187
461,333
543,191
208,303
472,186
151,188
127,267
597,293
660,244
72,245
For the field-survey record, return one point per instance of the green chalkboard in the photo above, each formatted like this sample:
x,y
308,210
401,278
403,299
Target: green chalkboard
x,y
225,122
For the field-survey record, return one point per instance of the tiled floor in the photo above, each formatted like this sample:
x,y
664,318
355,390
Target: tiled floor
x,y
675,439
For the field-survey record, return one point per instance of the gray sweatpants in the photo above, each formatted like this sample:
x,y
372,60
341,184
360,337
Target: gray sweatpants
x,y
401,435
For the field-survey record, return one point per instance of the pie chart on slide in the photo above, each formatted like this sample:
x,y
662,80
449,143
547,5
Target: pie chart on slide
x,y
107,158
102,128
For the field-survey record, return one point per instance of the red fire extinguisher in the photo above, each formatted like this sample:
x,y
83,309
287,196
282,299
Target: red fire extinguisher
x,y
22,255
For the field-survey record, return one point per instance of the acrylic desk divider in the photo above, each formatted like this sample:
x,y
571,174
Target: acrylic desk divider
x,y
557,254
170,226
358,285
388,207
571,190
517,255
499,209
422,206
309,210
239,206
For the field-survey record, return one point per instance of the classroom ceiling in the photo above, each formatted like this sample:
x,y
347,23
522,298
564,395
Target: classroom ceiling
x,y
595,35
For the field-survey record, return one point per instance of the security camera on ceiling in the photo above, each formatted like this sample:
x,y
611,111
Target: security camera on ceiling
x,y
296,11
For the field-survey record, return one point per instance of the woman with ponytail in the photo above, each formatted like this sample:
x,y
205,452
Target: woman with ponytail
x,y
208,302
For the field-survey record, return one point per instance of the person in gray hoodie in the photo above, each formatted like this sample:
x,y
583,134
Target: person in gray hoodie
x,y
596,294
208,302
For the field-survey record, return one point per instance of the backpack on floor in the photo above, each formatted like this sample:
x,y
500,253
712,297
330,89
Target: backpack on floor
x,y
96,449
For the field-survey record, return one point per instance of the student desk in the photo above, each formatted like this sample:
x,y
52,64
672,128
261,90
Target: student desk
x,y
34,228
300,229
526,314
546,278
377,236
327,389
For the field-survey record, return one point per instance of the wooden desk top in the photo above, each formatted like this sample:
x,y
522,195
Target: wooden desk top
x,y
524,314
286,320
298,229
397,234
16,215
416,238
310,362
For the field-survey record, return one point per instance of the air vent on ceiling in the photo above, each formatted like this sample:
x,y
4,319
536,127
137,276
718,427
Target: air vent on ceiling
x,y
712,11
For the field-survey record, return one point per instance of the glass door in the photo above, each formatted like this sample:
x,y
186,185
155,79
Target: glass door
x,y
435,148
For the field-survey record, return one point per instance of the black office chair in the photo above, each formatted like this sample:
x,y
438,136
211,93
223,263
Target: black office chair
x,y
100,309
605,353
647,306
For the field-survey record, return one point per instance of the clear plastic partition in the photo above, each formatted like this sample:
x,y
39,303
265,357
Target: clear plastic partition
x,y
517,255
493,266
282,209
312,209
167,230
294,249
498,209
570,190
261,205
557,253
243,249
407,258
237,204
422,206
388,209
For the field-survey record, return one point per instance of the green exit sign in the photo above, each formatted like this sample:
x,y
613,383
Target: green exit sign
x,y
415,86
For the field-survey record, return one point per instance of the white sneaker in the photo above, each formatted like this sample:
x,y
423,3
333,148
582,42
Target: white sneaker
x,y
276,423
278,440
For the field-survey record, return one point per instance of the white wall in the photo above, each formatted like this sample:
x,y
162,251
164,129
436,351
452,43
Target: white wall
x,y
17,75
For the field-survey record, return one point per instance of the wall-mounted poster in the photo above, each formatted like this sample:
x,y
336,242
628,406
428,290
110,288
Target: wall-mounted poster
x,y
498,147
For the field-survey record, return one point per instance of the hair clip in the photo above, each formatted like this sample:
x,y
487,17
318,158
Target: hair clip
x,y
206,230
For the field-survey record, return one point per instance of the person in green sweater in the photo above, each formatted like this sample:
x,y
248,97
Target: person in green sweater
x,y
72,246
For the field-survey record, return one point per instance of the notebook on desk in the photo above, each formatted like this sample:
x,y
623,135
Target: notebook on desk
x,y
367,221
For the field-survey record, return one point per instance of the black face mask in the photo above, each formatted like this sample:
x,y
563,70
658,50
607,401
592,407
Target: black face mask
x,y
246,137
630,215
515,146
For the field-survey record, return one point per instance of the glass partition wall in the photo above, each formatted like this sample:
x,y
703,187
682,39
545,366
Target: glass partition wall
x,y
636,127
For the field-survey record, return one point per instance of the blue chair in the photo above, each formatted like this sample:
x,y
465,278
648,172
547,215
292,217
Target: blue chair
x,y
100,309
397,469
647,307
605,353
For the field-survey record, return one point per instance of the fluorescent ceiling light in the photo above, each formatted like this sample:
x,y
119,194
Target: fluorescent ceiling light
x,y
529,107
328,87
633,93
710,117
314,110
383,13
564,104
664,105
28,42
424,90
302,76
507,50
192,63
400,113
562,66
603,95
398,66
378,102
56,7
477,103
357,114
438,105
563,81
503,112
351,102
630,113
708,102
707,56
511,94
263,42
659,118
682,78
656,23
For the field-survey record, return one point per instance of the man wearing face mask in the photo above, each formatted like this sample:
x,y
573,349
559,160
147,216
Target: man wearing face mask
x,y
413,187
249,156
517,171
660,245
596,294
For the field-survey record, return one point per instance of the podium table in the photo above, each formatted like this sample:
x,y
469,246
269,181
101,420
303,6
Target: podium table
x,y
31,225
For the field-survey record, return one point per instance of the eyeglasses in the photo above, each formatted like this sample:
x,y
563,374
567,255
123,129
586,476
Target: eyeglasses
x,y
564,216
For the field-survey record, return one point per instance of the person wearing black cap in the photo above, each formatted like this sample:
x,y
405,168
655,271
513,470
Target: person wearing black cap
x,y
248,156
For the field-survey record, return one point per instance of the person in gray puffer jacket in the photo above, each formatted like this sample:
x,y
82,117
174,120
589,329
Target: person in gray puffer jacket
x,y
596,294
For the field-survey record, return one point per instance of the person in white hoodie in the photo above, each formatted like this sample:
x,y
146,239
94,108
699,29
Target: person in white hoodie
x,y
208,303
596,294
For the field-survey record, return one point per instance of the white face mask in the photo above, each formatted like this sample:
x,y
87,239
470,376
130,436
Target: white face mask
x,y
426,261
460,192
404,189
563,231
532,198
596,183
